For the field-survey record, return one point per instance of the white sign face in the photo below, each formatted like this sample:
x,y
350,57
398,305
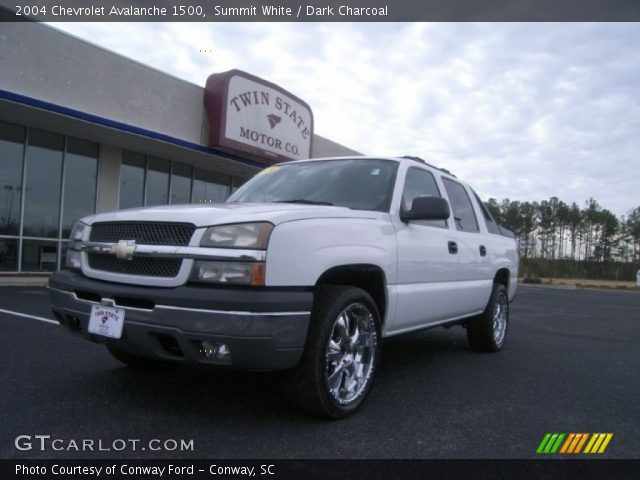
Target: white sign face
x,y
267,119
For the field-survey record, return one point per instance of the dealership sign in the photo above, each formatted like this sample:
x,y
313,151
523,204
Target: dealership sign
x,y
250,115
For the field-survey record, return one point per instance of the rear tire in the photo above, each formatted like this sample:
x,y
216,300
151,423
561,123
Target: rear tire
x,y
487,331
341,356
136,362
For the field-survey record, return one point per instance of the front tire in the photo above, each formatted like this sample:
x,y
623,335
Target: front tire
x,y
341,356
487,332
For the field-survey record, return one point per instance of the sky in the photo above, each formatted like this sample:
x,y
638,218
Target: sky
x,y
519,111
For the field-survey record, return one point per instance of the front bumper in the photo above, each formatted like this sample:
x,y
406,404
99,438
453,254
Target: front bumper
x,y
265,329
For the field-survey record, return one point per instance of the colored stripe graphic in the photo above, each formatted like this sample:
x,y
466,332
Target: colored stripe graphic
x,y
581,442
550,443
598,443
572,443
567,443
543,443
577,441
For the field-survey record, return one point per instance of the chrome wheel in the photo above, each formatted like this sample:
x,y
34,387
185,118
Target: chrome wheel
x,y
350,353
500,318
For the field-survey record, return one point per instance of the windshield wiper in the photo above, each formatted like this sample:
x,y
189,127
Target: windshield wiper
x,y
305,201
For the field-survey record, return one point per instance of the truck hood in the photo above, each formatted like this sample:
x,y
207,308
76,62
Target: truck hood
x,y
204,215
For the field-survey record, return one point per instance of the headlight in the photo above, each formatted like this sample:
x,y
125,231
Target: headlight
x,y
239,235
74,256
230,273
73,260
77,232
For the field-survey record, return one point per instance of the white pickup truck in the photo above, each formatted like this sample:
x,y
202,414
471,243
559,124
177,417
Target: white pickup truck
x,y
307,267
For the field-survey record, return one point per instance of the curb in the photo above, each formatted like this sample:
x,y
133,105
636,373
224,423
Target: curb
x,y
24,281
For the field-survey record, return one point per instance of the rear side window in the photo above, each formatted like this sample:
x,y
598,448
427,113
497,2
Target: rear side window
x,y
463,213
420,183
492,226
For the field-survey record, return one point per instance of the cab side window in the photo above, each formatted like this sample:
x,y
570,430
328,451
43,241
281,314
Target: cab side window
x,y
463,213
420,183
492,226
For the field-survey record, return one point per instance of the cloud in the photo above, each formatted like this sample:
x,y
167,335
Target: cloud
x,y
525,111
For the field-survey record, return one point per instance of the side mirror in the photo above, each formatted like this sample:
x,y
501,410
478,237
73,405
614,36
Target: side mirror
x,y
427,208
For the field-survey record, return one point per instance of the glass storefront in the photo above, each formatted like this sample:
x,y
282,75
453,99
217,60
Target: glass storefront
x,y
47,181
181,183
149,181
210,187
132,180
11,157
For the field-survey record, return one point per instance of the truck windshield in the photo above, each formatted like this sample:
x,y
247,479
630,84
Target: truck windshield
x,y
359,184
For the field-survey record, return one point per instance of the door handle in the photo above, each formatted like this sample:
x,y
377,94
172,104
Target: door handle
x,y
453,248
483,251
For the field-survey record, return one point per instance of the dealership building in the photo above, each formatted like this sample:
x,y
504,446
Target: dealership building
x,y
84,130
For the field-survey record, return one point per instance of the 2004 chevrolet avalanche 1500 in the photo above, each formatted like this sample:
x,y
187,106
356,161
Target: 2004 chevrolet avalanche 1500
x,y
307,267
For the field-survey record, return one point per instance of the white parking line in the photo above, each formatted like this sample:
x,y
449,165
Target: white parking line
x,y
18,314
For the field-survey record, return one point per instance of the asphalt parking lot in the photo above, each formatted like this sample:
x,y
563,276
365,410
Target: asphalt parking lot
x,y
571,364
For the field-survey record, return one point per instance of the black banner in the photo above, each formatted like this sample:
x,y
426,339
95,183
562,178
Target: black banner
x,y
319,10
321,469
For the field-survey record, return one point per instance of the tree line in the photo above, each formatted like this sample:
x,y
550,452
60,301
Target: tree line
x,y
554,230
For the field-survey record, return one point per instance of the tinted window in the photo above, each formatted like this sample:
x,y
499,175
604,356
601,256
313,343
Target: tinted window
x,y
210,187
181,183
360,184
420,183
80,176
465,217
8,255
132,180
11,150
237,182
492,226
44,176
39,256
158,182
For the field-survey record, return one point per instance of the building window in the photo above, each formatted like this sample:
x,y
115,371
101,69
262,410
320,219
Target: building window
x,y
181,183
42,185
11,155
8,255
150,181
132,180
210,187
39,256
80,182
237,182
157,182
48,183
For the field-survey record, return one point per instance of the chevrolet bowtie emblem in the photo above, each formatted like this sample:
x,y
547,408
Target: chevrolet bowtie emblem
x,y
124,249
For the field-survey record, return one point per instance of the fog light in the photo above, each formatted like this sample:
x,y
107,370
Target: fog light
x,y
216,351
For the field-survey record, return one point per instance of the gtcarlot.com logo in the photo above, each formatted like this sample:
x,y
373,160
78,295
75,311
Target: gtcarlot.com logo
x,y
573,443
45,443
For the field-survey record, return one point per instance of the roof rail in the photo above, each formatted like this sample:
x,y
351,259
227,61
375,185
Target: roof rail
x,y
418,159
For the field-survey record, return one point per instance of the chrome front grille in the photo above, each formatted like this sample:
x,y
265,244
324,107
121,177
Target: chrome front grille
x,y
145,233
143,266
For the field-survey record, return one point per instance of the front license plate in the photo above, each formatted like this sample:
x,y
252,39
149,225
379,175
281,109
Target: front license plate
x,y
106,321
